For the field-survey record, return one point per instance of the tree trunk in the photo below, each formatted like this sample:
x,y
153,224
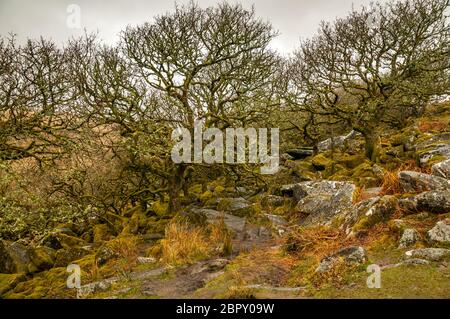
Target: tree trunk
x,y
175,187
372,144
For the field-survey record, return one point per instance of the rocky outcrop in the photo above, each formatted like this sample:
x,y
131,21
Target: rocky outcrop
x,y
353,255
431,254
409,238
319,202
441,169
440,232
412,182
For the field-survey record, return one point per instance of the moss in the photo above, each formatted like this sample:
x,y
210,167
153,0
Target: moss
x,y
321,163
43,258
68,241
206,196
101,233
160,208
350,161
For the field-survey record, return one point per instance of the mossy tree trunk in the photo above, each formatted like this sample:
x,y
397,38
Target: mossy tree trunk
x,y
372,144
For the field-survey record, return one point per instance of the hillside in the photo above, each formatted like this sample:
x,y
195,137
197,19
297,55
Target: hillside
x,y
312,232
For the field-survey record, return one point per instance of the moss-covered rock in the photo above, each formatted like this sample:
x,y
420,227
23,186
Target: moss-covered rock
x,y
321,162
43,258
101,233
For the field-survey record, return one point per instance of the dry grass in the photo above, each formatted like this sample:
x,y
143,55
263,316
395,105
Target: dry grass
x,y
127,249
430,126
390,184
358,195
184,244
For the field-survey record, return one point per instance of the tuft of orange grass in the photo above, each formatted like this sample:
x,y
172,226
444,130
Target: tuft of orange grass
x,y
436,126
184,244
390,184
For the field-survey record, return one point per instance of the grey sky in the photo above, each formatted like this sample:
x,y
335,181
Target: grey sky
x,y
294,19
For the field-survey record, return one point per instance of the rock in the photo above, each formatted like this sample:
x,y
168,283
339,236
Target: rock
x,y
146,260
441,169
105,254
234,223
410,237
285,157
412,182
43,258
413,262
321,162
437,202
271,201
440,233
65,256
323,200
58,240
353,255
431,254
15,258
287,190
194,217
300,153
367,213
276,220
436,146
238,206
339,142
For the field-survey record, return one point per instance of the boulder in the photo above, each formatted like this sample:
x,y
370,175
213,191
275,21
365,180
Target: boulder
x,y
238,206
270,201
15,258
300,153
435,146
58,240
413,182
431,254
321,201
440,232
354,255
437,202
441,169
234,223
65,256
43,258
367,213
339,142
409,237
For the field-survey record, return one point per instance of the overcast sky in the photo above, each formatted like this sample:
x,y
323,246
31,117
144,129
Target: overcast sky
x,y
294,19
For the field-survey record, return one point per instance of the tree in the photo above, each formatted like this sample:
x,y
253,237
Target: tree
x,y
35,100
209,64
379,65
